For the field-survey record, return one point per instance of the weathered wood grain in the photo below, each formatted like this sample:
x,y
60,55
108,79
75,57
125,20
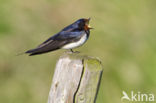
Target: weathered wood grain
x,y
76,79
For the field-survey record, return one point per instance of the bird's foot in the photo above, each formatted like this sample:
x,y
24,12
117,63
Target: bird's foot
x,y
71,51
74,51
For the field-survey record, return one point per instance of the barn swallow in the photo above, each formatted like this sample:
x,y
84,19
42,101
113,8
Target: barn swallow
x,y
72,36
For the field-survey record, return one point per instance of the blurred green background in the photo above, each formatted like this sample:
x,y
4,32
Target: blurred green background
x,y
124,39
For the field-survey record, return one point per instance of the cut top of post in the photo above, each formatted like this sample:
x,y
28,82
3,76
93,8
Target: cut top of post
x,y
76,79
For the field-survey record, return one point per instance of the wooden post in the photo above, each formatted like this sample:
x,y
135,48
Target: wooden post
x,y
76,79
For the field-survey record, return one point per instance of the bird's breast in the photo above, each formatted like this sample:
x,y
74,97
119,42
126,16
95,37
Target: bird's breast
x,y
78,43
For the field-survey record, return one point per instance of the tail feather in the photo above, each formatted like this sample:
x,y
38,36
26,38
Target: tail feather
x,y
38,51
31,52
46,47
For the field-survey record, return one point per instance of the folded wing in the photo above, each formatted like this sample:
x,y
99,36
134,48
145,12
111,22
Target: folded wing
x,y
55,42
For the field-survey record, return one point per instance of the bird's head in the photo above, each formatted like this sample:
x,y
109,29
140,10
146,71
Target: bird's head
x,y
83,24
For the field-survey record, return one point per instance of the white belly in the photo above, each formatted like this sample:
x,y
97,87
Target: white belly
x,y
76,44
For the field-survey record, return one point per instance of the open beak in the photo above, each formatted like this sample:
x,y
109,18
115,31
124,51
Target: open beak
x,y
89,27
87,24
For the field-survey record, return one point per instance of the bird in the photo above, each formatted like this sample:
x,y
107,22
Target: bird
x,y
70,37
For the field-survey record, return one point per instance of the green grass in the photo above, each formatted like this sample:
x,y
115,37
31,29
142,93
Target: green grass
x,y
123,39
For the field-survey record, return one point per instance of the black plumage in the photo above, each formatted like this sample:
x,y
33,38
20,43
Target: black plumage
x,y
70,34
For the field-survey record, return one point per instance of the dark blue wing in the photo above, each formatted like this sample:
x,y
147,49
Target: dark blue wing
x,y
55,42
64,35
